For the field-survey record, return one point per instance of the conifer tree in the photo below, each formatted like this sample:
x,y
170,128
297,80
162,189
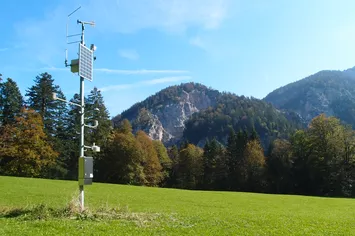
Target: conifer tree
x,y
214,165
11,101
96,110
40,99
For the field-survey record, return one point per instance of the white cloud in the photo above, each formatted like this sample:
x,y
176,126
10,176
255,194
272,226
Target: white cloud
x,y
129,54
163,80
128,16
167,80
139,72
197,41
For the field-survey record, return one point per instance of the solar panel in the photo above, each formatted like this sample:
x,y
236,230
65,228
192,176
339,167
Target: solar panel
x,y
85,62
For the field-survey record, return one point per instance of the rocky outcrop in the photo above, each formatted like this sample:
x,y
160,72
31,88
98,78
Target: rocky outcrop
x,y
165,119
328,92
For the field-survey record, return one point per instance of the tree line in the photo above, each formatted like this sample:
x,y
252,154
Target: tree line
x,y
39,138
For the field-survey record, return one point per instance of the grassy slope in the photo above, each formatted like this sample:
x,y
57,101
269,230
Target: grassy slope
x,y
183,212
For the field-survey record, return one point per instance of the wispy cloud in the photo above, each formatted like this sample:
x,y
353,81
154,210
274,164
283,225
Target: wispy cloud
x,y
121,72
167,80
197,41
139,72
126,16
163,80
3,49
52,68
129,54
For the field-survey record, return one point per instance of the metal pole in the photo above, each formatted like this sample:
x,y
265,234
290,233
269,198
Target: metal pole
x,y
82,127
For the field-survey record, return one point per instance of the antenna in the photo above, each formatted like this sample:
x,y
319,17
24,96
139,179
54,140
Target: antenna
x,y
69,36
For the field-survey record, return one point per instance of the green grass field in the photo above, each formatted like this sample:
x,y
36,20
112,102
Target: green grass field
x,y
156,211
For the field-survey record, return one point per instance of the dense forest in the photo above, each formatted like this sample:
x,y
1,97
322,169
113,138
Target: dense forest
x,y
239,113
39,138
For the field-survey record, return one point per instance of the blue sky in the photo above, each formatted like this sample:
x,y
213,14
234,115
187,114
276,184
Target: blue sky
x,y
245,47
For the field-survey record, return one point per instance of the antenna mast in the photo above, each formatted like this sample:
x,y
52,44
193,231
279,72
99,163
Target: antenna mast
x,y
84,67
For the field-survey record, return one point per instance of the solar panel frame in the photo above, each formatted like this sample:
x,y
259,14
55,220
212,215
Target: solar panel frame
x,y
86,60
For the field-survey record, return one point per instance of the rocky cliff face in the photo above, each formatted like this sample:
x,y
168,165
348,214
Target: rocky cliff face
x,y
163,115
328,92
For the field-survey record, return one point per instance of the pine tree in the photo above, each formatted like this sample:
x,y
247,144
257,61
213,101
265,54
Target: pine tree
x,y
232,159
40,98
214,165
96,110
279,166
73,138
55,118
173,153
11,101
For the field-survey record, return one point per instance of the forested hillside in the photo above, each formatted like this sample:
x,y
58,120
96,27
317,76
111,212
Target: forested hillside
x,y
329,92
240,113
244,144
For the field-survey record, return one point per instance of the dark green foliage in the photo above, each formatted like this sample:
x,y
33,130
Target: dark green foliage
x,y
279,165
121,162
11,101
215,166
96,110
40,98
190,167
73,138
55,118
240,113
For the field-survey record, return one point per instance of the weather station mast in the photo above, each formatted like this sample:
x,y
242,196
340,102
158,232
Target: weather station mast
x,y
84,67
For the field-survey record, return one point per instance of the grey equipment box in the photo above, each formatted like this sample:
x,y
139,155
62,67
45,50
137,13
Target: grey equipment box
x,y
86,170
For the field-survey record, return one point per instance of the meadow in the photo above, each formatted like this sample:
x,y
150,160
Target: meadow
x,y
31,206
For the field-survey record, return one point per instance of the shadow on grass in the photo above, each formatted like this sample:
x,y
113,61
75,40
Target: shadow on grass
x,y
14,213
72,212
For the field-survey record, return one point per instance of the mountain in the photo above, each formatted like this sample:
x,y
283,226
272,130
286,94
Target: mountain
x,y
193,112
330,92
163,115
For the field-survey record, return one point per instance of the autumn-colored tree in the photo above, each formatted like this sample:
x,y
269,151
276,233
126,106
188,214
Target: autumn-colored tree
x,y
24,148
190,167
254,166
121,161
150,160
125,127
164,160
